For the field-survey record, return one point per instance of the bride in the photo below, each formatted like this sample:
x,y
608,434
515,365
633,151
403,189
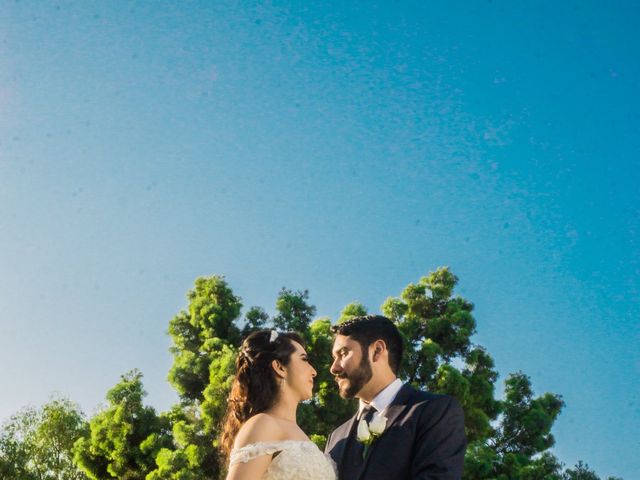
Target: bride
x,y
260,436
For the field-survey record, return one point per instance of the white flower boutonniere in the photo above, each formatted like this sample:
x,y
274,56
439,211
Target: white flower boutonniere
x,y
369,432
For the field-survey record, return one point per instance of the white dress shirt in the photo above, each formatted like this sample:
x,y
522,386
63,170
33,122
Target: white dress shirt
x,y
383,399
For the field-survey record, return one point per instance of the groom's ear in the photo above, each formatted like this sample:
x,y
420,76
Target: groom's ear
x,y
379,347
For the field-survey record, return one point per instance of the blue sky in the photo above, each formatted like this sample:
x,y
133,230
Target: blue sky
x,y
345,148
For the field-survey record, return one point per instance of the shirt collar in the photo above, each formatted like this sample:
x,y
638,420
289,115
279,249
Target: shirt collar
x,y
383,399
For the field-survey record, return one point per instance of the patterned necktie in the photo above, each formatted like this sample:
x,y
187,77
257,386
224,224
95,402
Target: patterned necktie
x,y
367,413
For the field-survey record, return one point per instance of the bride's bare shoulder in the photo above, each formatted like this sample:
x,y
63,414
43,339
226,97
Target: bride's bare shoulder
x,y
259,428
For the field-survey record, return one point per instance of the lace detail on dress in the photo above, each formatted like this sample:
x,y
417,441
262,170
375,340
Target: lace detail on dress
x,y
298,460
253,450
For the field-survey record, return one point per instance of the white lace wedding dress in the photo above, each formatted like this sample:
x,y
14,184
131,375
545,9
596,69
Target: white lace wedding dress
x,y
297,460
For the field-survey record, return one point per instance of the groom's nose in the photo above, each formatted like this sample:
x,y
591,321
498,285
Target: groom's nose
x,y
335,367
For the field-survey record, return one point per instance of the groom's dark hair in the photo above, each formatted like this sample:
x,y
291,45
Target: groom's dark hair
x,y
367,329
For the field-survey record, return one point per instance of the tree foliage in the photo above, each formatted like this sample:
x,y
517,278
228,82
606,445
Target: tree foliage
x,y
125,437
36,444
582,472
205,338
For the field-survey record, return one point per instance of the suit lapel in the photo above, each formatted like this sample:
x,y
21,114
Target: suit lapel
x,y
399,404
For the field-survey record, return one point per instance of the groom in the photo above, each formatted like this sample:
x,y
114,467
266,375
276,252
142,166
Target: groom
x,y
424,433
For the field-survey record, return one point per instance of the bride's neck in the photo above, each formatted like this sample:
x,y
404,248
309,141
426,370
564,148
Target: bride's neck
x,y
285,408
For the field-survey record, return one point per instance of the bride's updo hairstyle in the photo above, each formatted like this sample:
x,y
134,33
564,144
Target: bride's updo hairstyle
x,y
256,386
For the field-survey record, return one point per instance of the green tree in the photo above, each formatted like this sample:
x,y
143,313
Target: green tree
x,y
205,338
255,319
192,455
354,309
124,438
36,444
211,314
15,445
518,447
437,328
582,472
294,313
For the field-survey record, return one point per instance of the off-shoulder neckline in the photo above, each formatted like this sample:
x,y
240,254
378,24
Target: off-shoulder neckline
x,y
271,443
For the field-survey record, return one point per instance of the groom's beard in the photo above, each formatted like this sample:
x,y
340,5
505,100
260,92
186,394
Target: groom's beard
x,y
356,380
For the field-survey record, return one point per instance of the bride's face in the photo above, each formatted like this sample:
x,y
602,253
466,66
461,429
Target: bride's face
x,y
300,374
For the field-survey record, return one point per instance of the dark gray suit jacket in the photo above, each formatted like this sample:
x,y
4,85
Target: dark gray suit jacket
x,y
424,439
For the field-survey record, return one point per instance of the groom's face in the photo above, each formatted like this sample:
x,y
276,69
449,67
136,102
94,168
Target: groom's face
x,y
350,367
